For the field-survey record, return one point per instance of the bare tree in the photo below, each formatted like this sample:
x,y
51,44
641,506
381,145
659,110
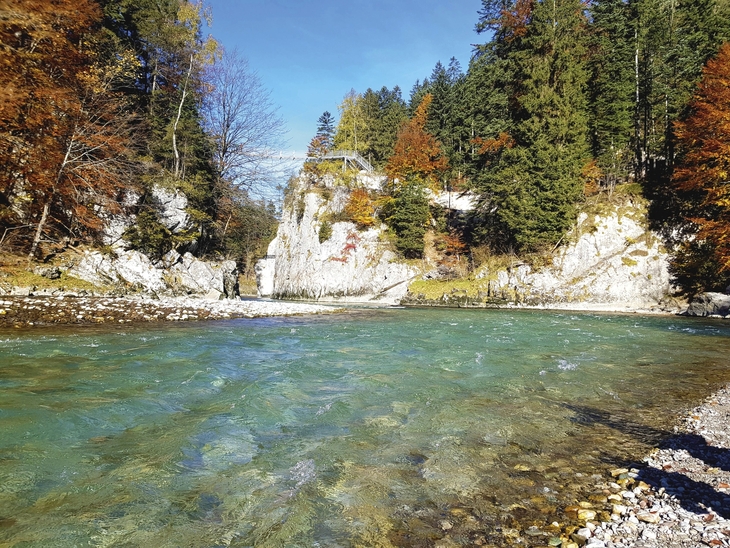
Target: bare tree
x,y
243,122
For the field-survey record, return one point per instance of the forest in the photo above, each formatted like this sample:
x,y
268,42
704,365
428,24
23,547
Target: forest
x,y
102,101
564,101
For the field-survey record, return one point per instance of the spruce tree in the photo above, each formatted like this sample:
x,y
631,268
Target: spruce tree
x,y
539,179
612,90
326,130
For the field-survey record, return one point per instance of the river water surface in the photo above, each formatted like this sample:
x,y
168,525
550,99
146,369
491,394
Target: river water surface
x,y
375,428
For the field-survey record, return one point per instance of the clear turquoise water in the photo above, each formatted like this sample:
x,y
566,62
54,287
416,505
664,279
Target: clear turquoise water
x,y
365,429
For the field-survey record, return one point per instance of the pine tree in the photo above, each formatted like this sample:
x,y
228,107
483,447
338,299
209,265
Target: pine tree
x,y
612,90
326,130
539,179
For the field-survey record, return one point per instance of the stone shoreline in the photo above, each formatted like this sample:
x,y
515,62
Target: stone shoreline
x,y
678,497
27,311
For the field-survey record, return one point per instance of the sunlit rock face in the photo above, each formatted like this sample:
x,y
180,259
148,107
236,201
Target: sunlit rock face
x,y
612,258
313,257
175,274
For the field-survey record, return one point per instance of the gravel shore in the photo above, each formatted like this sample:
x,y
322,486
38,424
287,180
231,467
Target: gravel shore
x,y
71,309
678,497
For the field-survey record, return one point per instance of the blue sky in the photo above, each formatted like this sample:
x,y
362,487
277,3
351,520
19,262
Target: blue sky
x,y
309,54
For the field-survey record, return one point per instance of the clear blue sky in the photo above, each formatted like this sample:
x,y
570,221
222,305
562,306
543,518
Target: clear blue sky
x,y
309,54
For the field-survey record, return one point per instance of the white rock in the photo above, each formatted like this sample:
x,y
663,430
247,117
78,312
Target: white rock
x,y
350,265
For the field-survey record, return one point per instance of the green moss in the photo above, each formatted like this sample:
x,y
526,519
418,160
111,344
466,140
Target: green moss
x,y
325,231
20,277
628,261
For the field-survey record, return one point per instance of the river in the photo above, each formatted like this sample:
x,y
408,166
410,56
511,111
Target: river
x,y
399,427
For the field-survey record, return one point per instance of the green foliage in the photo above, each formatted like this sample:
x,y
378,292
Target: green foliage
x,y
407,215
149,235
537,178
246,232
612,90
695,268
326,130
325,231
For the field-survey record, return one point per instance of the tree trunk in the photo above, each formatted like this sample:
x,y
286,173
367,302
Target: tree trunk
x,y
177,119
49,202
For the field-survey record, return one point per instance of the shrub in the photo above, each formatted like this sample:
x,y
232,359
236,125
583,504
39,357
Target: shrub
x,y
325,231
361,208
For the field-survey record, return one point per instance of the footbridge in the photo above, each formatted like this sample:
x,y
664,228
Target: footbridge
x,y
349,158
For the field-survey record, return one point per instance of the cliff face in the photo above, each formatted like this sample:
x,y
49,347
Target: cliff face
x,y
307,261
610,261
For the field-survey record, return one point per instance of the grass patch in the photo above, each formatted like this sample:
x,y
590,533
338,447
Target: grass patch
x,y
247,285
435,289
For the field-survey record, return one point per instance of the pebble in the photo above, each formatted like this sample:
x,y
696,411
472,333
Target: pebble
x,y
676,498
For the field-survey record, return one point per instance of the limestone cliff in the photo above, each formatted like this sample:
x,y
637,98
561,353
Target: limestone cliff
x,y
316,257
610,260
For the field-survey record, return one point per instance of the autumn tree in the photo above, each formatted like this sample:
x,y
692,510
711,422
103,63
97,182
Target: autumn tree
x,y
68,129
703,179
417,153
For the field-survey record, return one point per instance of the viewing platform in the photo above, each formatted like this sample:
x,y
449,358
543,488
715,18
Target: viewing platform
x,y
350,158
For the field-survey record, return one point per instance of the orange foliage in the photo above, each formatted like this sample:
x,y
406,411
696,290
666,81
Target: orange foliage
x,y
514,21
361,208
704,171
493,146
317,147
60,126
417,152
454,244
592,174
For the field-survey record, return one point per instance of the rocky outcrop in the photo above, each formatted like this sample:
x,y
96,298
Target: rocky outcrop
x,y
315,257
132,271
715,305
612,261
171,206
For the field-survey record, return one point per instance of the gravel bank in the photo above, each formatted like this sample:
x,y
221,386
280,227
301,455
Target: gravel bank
x,y
31,311
678,497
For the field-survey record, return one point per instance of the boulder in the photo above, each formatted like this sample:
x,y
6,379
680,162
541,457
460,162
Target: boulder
x,y
709,304
173,275
172,206
50,272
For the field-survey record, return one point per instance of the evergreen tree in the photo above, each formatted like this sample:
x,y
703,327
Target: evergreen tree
x,y
326,130
539,177
407,215
612,90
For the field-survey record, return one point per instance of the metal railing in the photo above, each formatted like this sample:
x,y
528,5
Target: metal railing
x,y
347,156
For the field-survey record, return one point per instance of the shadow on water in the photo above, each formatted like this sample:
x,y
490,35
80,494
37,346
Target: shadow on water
x,y
694,496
